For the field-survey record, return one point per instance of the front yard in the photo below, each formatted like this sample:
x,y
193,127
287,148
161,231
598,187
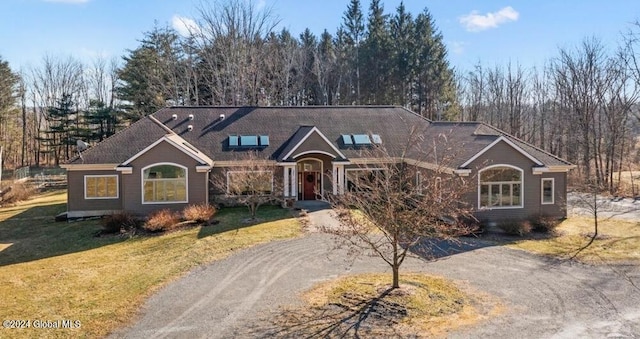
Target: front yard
x,y
617,241
61,271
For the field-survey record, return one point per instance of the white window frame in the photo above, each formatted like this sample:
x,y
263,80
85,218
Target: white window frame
x,y
186,180
262,171
480,183
117,196
553,191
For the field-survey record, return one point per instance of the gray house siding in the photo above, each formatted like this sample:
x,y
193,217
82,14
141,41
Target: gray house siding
x,y
502,153
162,153
78,206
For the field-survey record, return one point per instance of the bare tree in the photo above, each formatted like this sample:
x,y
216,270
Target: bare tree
x,y
231,36
253,183
410,196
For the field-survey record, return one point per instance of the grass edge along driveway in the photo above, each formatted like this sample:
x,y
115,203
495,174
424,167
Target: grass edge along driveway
x,y
59,271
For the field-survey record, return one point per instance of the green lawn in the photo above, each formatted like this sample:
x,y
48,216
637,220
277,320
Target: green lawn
x,y
58,271
618,241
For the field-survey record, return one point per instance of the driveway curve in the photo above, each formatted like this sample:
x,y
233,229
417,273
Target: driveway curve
x,y
543,298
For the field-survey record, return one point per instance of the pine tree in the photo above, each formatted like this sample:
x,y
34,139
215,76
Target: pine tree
x,y
151,76
63,128
434,87
402,56
375,52
102,121
353,24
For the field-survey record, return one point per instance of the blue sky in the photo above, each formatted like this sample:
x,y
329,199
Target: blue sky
x,y
490,31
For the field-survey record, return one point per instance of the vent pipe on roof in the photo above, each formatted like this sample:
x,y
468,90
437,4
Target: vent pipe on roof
x,y
190,116
190,128
174,117
222,117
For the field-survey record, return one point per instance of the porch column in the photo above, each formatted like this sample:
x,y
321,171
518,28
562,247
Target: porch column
x,y
334,179
341,179
294,182
286,188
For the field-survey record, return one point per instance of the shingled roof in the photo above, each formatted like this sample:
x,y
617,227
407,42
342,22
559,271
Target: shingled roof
x,y
285,127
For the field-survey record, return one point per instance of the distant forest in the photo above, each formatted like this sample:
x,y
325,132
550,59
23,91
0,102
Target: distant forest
x,y
582,105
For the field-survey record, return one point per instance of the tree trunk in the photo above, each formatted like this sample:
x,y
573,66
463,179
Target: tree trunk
x,y
396,277
396,265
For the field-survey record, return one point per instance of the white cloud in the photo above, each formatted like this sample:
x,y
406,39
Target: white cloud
x,y
184,26
68,1
475,22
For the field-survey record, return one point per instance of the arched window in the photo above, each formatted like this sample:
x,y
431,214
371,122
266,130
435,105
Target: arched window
x,y
500,186
164,183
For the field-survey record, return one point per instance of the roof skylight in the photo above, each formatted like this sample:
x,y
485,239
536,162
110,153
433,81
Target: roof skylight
x,y
361,139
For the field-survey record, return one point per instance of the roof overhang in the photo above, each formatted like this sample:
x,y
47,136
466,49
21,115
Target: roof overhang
x,y
124,169
508,142
463,172
89,167
553,169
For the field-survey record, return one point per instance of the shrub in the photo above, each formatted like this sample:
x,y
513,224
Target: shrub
x,y
116,223
17,192
545,224
199,213
162,220
516,227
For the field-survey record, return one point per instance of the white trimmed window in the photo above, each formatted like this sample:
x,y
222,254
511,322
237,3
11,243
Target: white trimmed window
x,y
101,187
164,183
500,187
548,191
249,182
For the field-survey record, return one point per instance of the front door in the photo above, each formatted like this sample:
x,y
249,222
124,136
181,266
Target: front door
x,y
309,180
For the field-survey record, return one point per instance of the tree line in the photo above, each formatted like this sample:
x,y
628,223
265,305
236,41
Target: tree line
x,y
582,105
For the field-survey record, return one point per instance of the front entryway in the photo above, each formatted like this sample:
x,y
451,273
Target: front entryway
x,y
310,179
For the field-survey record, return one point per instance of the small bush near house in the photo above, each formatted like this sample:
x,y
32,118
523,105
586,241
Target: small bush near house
x,y
199,213
163,220
119,222
544,224
516,227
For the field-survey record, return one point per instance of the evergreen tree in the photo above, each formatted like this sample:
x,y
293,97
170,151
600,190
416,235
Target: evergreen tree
x,y
353,24
325,69
434,87
63,128
151,77
402,56
102,121
375,61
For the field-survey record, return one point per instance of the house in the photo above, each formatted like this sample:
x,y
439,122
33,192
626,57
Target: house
x,y
165,160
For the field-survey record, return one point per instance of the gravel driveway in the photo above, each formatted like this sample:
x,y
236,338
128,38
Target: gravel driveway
x,y
543,298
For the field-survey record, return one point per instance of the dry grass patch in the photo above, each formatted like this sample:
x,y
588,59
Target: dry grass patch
x,y
364,306
618,241
54,271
